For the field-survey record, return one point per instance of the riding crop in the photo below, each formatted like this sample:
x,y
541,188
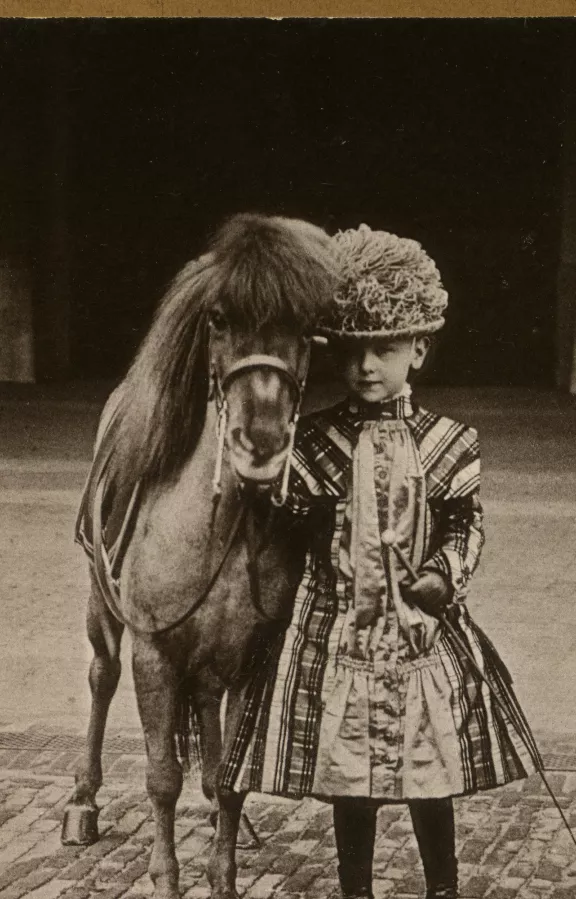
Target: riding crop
x,y
389,539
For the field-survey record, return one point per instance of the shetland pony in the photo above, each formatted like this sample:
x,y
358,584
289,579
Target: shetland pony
x,y
189,547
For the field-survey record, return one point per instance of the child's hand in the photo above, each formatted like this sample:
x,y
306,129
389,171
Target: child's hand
x,y
432,593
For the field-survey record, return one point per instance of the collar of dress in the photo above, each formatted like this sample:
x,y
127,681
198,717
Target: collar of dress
x,y
398,407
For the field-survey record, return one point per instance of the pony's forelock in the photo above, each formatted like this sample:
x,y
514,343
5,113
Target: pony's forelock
x,y
263,272
272,271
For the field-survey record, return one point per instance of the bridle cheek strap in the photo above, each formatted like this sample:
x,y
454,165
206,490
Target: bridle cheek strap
x,y
221,438
279,499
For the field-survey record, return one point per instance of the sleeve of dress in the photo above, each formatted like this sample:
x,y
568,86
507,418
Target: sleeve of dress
x,y
298,499
459,529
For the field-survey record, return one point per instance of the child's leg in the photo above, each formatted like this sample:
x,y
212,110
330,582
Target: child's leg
x,y
355,831
433,822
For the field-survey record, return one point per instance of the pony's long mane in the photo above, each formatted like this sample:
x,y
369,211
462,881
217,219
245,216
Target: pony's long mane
x,y
263,271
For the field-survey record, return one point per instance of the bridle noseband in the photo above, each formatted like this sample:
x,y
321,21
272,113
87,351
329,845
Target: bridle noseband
x,y
264,361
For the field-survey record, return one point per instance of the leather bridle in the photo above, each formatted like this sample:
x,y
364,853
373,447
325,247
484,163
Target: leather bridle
x,y
296,380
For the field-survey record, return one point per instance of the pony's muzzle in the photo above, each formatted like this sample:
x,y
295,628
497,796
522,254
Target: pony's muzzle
x,y
259,456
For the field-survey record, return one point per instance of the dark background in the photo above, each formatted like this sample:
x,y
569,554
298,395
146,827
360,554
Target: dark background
x,y
449,132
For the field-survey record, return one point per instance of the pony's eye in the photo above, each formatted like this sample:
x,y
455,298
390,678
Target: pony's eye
x,y
217,319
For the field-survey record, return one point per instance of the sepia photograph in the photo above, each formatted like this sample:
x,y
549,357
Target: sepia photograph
x,y
287,458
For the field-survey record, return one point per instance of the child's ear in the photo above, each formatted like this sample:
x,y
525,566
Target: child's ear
x,y
420,349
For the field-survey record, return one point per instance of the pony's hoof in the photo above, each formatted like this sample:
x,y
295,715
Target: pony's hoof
x,y
247,836
80,824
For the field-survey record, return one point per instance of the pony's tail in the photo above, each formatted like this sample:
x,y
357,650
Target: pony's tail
x,y
187,729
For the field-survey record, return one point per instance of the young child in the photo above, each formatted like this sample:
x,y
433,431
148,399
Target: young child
x,y
369,699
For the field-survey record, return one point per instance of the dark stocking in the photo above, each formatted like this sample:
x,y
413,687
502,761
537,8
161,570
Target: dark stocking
x,y
355,831
433,822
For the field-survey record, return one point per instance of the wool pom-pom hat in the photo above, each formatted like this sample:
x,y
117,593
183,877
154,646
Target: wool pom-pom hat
x,y
389,287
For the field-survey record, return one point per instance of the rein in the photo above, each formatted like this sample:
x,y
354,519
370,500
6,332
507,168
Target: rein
x,y
105,579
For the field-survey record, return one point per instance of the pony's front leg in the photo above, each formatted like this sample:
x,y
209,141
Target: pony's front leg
x,y
80,825
155,680
221,871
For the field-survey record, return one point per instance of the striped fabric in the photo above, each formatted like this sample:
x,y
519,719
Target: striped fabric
x,y
408,726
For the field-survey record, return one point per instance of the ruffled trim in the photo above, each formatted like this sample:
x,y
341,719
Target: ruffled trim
x,y
389,287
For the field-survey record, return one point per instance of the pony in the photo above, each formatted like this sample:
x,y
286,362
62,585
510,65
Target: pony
x,y
182,520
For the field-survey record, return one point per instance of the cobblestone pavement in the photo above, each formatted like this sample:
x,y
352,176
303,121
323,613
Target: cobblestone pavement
x,y
511,840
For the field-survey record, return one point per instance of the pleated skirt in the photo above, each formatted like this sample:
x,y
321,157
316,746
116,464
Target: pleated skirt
x,y
395,729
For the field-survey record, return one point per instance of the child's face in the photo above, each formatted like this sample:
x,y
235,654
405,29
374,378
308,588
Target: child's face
x,y
376,368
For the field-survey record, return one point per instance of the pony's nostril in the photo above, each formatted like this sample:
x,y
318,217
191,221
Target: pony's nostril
x,y
240,438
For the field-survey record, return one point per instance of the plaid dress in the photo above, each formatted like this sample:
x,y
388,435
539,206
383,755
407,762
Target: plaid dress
x,y
365,695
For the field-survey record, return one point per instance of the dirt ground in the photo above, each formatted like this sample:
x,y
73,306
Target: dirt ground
x,y
523,593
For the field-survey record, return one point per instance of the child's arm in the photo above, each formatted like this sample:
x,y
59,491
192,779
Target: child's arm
x,y
459,527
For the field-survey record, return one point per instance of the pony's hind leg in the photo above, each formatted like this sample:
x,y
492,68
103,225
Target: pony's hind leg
x,y
207,697
156,683
105,634
208,694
